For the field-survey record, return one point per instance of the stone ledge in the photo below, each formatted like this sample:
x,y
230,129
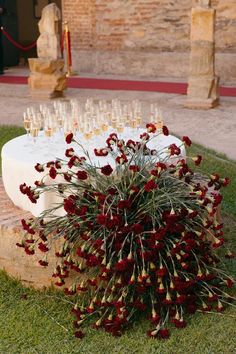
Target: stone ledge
x,y
13,259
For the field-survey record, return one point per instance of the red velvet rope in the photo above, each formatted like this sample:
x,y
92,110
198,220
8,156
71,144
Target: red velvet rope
x,y
69,49
17,45
62,41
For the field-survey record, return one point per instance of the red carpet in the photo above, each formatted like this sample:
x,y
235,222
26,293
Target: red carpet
x,y
130,85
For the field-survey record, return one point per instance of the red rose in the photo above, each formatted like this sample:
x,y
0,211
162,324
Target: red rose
x,y
165,130
82,175
52,173
186,140
69,138
150,185
107,170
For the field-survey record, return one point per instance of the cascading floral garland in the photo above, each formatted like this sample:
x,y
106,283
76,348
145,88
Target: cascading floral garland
x,y
143,235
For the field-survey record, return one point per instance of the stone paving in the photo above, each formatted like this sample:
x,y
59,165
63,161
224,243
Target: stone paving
x,y
215,128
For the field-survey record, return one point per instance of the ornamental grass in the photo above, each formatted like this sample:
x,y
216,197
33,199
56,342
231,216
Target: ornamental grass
x,y
137,238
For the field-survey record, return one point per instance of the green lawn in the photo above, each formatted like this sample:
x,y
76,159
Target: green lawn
x,y
40,322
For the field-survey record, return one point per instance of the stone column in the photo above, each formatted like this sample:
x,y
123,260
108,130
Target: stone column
x,y
203,84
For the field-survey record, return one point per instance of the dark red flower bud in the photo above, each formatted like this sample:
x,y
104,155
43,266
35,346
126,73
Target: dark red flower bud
x,y
151,128
82,175
69,152
106,170
39,167
165,130
186,140
69,138
79,334
150,186
52,173
164,333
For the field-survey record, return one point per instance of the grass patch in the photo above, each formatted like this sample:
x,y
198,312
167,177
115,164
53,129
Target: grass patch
x,y
7,133
40,322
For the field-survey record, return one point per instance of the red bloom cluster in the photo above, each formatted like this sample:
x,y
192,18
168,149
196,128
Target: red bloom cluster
x,y
148,235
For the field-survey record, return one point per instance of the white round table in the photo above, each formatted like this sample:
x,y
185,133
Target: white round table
x,y
20,155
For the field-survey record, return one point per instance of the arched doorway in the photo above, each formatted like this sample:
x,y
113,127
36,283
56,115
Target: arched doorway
x,y
21,22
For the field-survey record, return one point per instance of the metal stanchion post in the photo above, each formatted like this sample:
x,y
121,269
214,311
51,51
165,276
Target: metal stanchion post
x,y
68,50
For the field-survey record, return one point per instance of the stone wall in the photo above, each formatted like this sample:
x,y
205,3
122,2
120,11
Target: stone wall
x,y
144,37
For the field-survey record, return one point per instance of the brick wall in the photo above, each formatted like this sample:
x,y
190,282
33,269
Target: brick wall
x,y
143,37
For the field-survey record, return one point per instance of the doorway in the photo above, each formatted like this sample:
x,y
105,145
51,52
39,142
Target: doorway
x,y
21,22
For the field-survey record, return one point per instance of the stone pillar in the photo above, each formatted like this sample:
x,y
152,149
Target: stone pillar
x,y
47,78
203,84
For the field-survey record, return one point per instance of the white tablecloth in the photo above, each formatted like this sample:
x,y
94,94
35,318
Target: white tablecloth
x,y
20,155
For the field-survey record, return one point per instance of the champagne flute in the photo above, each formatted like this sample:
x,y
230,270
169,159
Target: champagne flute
x,y
34,130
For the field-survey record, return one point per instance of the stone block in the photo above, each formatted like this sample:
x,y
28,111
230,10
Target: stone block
x,y
203,22
47,79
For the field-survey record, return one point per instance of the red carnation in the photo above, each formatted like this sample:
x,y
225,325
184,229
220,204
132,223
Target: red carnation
x,y
39,167
101,152
124,204
134,168
121,159
24,189
186,140
67,177
225,181
137,228
165,130
82,175
145,136
197,160
69,138
69,152
79,334
42,247
180,324
151,128
52,173
101,219
164,333
107,170
150,185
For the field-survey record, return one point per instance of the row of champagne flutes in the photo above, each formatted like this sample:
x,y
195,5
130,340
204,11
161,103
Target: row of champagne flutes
x,y
90,120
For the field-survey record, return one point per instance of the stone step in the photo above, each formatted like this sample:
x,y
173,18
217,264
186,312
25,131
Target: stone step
x,y
12,258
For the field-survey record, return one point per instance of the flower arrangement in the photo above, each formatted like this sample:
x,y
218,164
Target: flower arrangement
x,y
138,238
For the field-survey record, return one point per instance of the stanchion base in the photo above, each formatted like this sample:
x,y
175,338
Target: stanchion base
x,y
72,73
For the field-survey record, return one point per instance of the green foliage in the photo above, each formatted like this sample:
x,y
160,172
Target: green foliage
x,y
7,133
31,322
